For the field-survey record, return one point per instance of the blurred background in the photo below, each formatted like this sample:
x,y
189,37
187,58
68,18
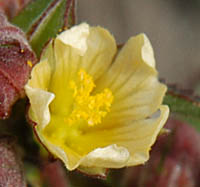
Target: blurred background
x,y
172,26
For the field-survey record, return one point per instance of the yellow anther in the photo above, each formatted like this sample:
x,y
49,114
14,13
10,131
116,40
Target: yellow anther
x,y
29,63
87,107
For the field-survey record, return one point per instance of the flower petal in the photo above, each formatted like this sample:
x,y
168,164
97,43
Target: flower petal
x,y
145,138
140,104
76,37
39,100
130,60
133,80
37,87
137,137
111,156
41,73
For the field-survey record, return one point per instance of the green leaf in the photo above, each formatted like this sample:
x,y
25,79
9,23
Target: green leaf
x,y
31,14
42,20
49,27
186,107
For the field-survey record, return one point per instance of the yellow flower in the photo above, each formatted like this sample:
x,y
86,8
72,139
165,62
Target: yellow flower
x,y
96,108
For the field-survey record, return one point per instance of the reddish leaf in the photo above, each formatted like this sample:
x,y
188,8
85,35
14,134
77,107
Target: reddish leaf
x,y
11,173
15,66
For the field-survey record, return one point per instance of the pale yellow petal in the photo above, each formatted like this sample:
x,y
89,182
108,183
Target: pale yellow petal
x,y
76,37
131,61
130,144
111,156
139,136
140,145
147,51
39,100
68,156
41,73
133,80
139,104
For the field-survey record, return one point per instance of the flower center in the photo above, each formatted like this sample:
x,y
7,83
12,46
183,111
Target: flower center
x,y
87,107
